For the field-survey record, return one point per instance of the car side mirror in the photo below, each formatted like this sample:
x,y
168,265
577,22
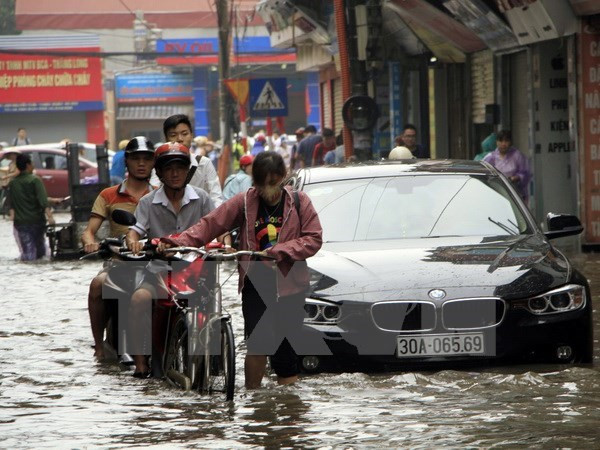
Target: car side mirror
x,y
561,225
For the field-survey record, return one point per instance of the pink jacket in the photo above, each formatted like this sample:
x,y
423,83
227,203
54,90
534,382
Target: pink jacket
x,y
299,238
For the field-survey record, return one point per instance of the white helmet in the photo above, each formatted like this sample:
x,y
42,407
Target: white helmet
x,y
401,152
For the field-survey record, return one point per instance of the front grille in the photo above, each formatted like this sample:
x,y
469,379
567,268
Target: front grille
x,y
404,316
473,313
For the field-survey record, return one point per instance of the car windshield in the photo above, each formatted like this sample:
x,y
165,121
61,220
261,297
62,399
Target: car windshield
x,y
416,207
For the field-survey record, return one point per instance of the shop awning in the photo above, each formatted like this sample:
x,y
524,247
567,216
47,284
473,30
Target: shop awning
x,y
447,38
585,7
152,112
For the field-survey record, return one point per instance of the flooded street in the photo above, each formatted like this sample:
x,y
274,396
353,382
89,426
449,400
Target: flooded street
x,y
53,394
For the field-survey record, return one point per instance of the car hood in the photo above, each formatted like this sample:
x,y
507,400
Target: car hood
x,y
508,267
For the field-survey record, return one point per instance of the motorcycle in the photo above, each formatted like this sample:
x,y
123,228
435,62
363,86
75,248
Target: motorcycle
x,y
194,348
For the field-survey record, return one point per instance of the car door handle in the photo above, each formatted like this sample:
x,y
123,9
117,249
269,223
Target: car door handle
x,y
47,177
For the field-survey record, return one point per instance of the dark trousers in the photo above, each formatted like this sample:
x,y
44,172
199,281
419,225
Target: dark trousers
x,y
32,240
284,318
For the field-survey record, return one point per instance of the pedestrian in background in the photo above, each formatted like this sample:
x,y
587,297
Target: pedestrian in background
x,y
337,155
409,140
327,143
21,138
259,145
285,151
237,151
240,181
307,146
488,145
29,210
295,160
117,168
511,162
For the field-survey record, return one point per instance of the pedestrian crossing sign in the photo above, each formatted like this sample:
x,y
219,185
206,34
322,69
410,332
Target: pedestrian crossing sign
x,y
268,97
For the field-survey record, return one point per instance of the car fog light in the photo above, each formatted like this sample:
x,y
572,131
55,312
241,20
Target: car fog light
x,y
312,311
538,305
564,352
560,301
331,312
310,363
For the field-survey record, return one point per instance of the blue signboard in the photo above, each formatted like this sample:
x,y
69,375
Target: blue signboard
x,y
257,44
202,46
210,46
154,87
396,119
268,97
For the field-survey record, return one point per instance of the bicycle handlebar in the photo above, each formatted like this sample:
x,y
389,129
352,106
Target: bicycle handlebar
x,y
217,255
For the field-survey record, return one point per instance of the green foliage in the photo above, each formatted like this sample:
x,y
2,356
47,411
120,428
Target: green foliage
x,y
7,17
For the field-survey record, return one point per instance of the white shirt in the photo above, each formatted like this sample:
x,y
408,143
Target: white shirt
x,y
206,178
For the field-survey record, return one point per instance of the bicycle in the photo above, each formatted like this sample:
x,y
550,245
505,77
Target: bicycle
x,y
200,354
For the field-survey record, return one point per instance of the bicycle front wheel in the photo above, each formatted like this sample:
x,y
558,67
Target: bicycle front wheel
x,y
177,358
219,361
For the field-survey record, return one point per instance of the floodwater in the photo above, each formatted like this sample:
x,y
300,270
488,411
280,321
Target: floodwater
x,y
53,394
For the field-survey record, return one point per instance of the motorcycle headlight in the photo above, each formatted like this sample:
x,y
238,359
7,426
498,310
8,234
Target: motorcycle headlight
x,y
566,298
320,312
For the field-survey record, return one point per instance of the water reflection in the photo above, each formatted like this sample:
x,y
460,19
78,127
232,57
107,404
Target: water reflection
x,y
53,394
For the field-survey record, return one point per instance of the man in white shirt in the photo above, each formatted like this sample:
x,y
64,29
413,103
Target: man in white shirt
x,y
178,128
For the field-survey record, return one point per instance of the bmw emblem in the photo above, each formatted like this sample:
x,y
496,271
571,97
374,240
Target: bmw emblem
x,y
437,294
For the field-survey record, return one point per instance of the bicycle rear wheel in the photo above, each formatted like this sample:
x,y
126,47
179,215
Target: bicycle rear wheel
x,y
177,358
219,361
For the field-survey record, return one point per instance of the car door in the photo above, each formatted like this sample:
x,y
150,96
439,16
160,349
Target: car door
x,y
54,174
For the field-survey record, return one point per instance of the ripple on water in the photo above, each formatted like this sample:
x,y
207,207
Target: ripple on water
x,y
53,392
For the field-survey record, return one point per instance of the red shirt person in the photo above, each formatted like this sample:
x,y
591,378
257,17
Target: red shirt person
x,y
328,143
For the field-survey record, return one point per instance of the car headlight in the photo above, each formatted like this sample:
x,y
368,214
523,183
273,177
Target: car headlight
x,y
321,312
566,298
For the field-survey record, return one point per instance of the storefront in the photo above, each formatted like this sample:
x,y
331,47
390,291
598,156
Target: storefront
x,y
144,101
251,57
51,86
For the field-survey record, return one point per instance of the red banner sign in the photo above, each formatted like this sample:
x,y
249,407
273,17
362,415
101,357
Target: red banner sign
x,y
52,79
590,127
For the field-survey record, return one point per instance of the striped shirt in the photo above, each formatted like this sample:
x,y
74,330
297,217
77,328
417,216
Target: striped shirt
x,y
115,197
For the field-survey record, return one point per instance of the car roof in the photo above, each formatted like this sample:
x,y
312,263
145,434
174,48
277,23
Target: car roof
x,y
385,168
51,145
41,148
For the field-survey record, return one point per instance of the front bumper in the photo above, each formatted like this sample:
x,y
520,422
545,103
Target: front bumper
x,y
521,337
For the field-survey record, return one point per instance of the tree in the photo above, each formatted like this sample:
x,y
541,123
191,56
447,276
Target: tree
x,y
7,17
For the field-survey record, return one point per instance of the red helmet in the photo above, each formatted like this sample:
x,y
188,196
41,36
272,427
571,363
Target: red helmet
x,y
169,152
246,160
261,138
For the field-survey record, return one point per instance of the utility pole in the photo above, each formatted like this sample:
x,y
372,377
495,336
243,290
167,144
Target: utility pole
x,y
223,20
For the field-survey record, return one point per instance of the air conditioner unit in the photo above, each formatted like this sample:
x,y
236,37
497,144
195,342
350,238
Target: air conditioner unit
x,y
541,20
317,32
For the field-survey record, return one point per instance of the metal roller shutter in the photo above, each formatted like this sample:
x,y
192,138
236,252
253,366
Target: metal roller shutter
x,y
519,101
338,121
482,77
326,102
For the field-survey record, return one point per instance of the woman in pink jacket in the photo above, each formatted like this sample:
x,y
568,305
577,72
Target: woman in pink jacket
x,y
282,224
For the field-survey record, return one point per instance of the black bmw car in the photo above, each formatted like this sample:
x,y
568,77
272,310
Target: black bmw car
x,y
438,262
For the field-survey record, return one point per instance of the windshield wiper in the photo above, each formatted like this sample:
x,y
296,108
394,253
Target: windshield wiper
x,y
504,227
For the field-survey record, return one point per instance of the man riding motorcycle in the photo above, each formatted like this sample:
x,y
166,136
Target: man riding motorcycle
x,y
139,159
170,209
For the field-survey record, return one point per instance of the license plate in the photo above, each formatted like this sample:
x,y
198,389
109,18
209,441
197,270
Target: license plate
x,y
440,345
